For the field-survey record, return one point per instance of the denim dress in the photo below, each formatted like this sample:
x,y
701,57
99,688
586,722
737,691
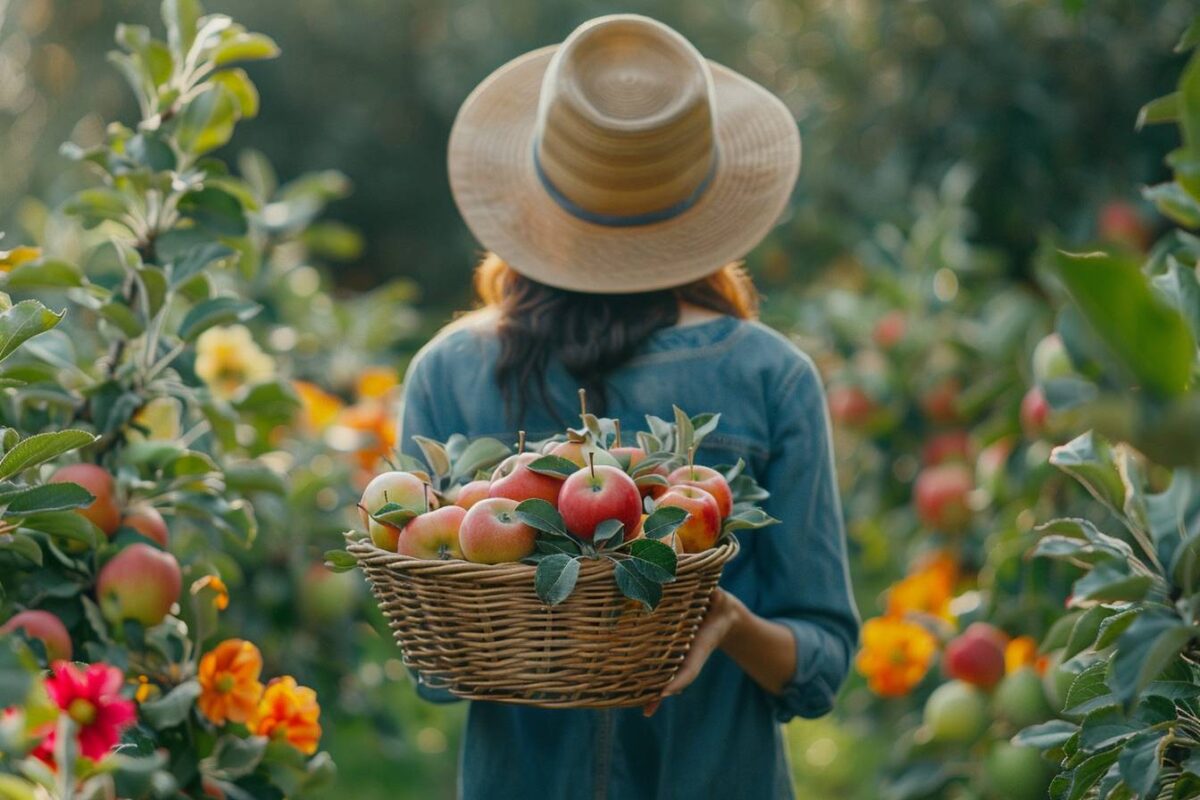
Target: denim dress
x,y
721,737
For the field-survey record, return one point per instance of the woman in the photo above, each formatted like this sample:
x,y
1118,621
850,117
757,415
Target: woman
x,y
615,179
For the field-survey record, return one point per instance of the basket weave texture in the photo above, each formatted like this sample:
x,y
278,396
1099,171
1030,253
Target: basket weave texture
x,y
481,632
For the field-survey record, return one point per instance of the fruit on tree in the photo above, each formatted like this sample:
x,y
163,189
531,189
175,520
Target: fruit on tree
x,y
1120,222
491,533
940,495
583,453
946,446
326,596
991,466
956,711
46,628
433,534
516,481
139,583
709,480
1020,698
850,406
890,329
402,488
146,520
1015,772
1051,359
702,525
593,495
104,512
1035,412
471,493
977,655
940,401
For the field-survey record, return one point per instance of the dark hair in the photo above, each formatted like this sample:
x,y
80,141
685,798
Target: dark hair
x,y
591,335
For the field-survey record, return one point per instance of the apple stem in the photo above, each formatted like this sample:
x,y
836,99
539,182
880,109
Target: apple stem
x,y
583,402
592,462
520,441
426,498
617,426
691,462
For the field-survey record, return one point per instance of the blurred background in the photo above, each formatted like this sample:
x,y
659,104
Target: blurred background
x,y
942,138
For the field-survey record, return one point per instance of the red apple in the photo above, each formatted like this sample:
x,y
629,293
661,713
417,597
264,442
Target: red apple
x,y
850,406
890,329
590,496
1120,222
702,526
433,535
103,511
1035,412
631,457
402,488
940,401
46,628
947,446
709,480
491,533
940,495
516,481
139,583
977,655
383,535
471,493
146,520
581,454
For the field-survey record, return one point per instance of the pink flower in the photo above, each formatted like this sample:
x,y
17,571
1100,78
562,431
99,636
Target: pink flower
x,y
91,697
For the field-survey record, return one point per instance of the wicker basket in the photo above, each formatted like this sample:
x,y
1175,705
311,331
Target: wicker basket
x,y
481,632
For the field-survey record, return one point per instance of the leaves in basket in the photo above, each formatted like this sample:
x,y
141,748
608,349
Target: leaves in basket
x,y
554,466
663,522
558,545
542,516
746,519
608,533
555,578
339,561
636,586
654,559
394,514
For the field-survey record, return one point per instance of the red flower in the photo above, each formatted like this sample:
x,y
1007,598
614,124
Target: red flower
x,y
91,697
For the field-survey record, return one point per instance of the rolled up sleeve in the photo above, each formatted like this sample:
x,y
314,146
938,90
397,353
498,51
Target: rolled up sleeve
x,y
803,573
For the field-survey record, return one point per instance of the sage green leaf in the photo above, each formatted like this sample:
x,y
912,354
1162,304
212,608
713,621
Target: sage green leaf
x,y
21,545
44,273
22,322
123,317
236,757
663,522
636,586
1174,202
47,497
607,533
172,708
1046,735
555,578
1160,110
480,454
244,47
218,311
542,516
435,455
239,86
180,17
64,525
554,466
657,554
1151,643
339,561
42,447
1139,762
1088,459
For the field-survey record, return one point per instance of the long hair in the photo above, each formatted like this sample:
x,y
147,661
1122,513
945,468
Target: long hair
x,y
590,334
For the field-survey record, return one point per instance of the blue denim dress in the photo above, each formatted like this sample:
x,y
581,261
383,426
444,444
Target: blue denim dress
x,y
721,737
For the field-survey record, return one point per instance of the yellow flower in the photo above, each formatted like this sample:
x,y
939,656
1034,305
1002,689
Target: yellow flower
x,y
375,422
11,259
157,421
215,585
1022,651
318,408
926,590
228,359
230,688
375,383
288,712
896,654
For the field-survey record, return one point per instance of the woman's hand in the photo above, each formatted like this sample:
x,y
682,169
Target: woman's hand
x,y
766,650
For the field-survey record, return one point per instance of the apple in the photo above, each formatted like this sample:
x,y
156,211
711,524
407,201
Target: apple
x,y
402,488
1120,222
940,495
139,583
990,467
1035,412
890,329
491,533
146,520
947,446
326,596
629,458
1051,359
940,401
956,712
433,534
582,453
591,496
1016,772
516,481
850,406
46,628
709,480
471,493
977,655
1021,699
702,525
103,511
383,535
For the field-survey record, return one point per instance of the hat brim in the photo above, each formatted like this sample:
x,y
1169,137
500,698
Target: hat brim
x,y
497,189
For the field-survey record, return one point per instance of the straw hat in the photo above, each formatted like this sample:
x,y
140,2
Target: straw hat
x,y
621,160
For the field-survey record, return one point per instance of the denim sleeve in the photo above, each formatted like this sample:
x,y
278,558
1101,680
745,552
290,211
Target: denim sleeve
x,y
802,565
418,419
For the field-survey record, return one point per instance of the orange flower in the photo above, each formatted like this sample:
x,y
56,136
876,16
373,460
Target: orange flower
x,y
229,681
376,424
375,383
289,713
926,590
1022,651
220,592
318,408
895,655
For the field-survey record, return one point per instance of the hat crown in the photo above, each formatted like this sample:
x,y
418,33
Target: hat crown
x,y
625,120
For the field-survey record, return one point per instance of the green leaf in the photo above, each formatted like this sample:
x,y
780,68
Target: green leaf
x,y
636,586
435,455
22,322
748,519
656,553
1109,582
197,259
218,311
1083,633
1151,643
239,86
21,545
339,561
244,47
236,757
97,205
215,210
172,708
1174,202
1139,762
542,516
42,447
607,533
1159,110
1047,735
1190,37
1114,626
1106,727
1089,690
1147,336
394,514
152,152
1089,460
180,17
64,525
663,522
479,454
554,466
555,578
685,434
47,497
123,317
1089,772
45,273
